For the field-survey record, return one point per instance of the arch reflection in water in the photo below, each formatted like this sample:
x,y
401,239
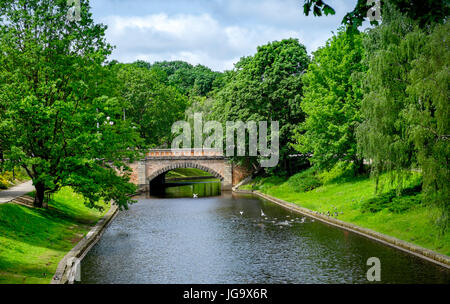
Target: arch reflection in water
x,y
188,189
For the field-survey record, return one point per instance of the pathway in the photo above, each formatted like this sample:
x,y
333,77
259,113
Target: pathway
x,y
16,191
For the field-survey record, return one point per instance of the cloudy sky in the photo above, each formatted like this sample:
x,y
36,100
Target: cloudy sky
x,y
215,33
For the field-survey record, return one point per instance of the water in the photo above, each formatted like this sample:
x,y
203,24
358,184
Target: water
x,y
188,189
207,240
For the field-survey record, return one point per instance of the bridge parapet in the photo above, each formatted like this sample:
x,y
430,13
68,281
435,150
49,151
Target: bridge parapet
x,y
183,153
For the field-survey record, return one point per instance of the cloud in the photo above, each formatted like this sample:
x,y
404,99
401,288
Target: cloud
x,y
194,38
215,33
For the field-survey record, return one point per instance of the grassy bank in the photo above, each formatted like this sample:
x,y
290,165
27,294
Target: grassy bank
x,y
347,198
33,241
186,172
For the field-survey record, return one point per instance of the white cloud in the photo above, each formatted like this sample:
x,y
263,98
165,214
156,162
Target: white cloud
x,y
193,38
215,33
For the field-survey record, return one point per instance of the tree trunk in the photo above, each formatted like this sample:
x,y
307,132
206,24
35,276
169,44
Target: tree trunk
x,y
40,196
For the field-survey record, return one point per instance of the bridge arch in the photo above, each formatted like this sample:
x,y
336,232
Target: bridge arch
x,y
184,165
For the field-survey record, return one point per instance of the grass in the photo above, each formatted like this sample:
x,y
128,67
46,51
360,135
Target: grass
x,y
33,241
414,226
186,172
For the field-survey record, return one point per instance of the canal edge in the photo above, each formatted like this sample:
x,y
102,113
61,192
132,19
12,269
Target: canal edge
x,y
421,252
83,246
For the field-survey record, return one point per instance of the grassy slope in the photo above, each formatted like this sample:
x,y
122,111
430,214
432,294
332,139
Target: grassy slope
x,y
186,172
413,226
33,241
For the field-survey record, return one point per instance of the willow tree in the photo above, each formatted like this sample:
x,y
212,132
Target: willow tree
x,y
332,101
428,115
63,126
383,135
406,105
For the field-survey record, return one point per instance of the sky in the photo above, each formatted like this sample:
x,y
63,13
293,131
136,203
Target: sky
x,y
214,33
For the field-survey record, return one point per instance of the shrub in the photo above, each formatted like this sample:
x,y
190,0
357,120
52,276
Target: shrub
x,y
304,181
378,203
404,203
340,172
4,184
408,198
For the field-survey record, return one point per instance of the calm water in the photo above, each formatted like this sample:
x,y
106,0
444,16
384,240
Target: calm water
x,y
207,240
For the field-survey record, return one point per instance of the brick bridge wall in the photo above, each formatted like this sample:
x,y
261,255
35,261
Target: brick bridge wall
x,y
158,162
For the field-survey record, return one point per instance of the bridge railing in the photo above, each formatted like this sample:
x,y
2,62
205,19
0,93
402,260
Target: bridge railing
x,y
184,152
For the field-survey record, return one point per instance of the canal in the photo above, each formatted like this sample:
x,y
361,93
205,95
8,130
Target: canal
x,y
233,238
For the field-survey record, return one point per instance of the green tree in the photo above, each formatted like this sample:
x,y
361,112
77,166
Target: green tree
x,y
423,11
332,100
149,103
428,116
382,136
405,107
188,79
54,91
267,87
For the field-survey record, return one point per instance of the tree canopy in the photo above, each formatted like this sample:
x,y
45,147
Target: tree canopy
x,y
267,87
63,126
423,11
331,103
405,108
149,103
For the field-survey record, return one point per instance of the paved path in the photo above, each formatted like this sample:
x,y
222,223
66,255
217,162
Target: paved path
x,y
16,191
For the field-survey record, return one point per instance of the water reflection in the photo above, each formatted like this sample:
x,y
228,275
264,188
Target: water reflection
x,y
226,239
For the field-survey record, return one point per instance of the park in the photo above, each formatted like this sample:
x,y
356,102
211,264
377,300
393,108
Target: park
x,y
292,142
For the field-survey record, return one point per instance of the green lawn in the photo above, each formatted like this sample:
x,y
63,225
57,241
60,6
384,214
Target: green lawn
x,y
414,226
33,241
186,172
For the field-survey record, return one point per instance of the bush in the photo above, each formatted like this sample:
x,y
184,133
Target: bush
x,y
378,203
304,181
342,171
408,198
404,203
4,184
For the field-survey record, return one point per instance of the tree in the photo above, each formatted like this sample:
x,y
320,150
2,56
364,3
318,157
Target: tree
x,y
267,87
332,100
405,107
424,11
429,117
64,127
188,79
382,136
149,103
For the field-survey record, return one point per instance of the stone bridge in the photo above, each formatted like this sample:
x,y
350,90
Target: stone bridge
x,y
157,162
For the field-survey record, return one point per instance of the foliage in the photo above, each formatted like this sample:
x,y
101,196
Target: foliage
x,y
382,136
149,103
428,116
267,87
406,105
341,171
304,181
4,183
188,79
425,12
55,89
331,103
408,198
